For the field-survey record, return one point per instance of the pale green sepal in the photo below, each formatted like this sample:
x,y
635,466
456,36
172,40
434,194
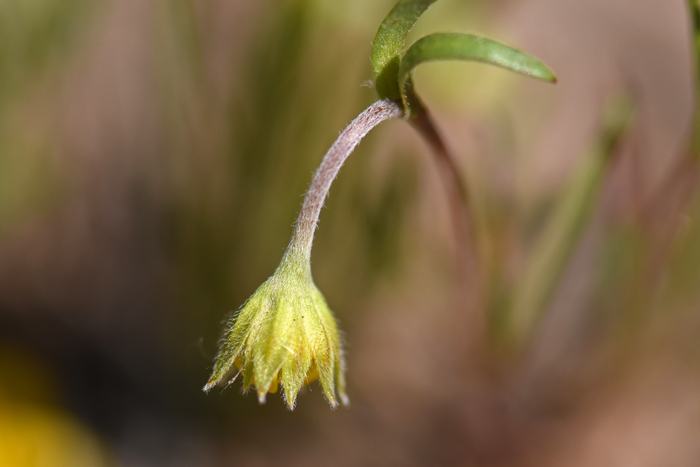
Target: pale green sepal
x,y
340,379
295,370
327,359
247,371
232,343
465,47
269,349
389,42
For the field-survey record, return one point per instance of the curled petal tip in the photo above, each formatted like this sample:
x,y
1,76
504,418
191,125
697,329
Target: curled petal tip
x,y
290,405
210,384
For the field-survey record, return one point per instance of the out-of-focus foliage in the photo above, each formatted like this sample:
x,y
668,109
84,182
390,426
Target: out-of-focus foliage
x,y
694,14
564,229
36,37
33,432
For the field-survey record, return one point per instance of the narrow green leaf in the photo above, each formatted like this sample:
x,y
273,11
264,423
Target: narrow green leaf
x,y
465,47
389,42
566,226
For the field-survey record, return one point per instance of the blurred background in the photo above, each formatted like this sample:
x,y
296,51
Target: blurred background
x,y
153,158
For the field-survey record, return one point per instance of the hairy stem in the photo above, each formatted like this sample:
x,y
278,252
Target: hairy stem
x,y
305,227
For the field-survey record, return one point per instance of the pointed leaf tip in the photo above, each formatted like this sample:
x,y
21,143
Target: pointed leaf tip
x,y
466,47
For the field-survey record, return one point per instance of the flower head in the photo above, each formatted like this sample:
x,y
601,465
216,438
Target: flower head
x,y
285,333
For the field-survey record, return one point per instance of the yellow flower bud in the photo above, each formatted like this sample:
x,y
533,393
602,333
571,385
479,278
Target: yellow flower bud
x,y
285,333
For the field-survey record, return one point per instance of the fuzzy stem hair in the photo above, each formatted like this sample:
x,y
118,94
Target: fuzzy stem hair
x,y
334,159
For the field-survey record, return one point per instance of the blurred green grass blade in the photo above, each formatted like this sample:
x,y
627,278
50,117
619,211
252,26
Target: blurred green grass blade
x,y
33,36
466,47
568,222
389,42
694,12
682,287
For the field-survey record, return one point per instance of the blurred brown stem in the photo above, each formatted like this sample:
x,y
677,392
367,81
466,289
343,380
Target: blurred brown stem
x,y
680,183
458,196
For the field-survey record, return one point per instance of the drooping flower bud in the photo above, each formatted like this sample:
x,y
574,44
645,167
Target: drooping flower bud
x,y
285,333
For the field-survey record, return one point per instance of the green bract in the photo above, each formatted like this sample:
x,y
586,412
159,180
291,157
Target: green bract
x,y
388,45
285,333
